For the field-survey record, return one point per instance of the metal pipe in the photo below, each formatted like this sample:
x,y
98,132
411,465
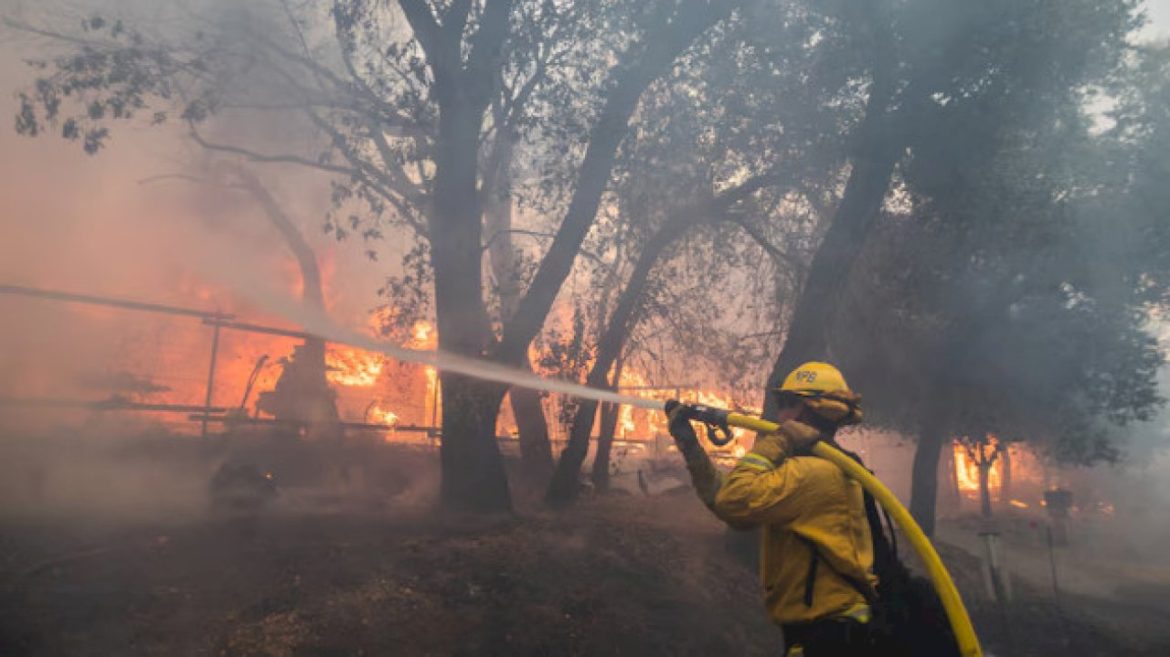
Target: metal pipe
x,y
105,301
210,376
112,404
257,328
407,428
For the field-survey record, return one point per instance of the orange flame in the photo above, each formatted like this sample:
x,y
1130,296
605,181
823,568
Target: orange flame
x,y
354,367
380,415
967,469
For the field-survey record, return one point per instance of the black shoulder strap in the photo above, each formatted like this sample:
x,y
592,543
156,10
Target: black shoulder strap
x,y
815,558
885,548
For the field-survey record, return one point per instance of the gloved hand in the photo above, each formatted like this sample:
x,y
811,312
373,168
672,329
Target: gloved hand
x,y
794,438
683,433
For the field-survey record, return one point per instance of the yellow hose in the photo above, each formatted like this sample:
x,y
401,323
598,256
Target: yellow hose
x,y
956,612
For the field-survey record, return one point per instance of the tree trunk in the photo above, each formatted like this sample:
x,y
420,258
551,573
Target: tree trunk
x,y
473,470
312,402
878,146
473,476
924,477
860,205
609,418
985,464
613,340
535,449
955,495
564,484
1005,476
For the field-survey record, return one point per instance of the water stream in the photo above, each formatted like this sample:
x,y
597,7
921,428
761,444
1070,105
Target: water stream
x,y
320,324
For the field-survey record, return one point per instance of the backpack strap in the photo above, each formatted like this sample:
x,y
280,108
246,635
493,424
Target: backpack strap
x,y
815,558
885,548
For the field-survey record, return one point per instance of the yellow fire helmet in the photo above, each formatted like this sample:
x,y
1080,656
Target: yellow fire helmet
x,y
823,389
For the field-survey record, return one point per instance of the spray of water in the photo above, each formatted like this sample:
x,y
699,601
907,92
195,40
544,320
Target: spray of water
x,y
320,324
472,367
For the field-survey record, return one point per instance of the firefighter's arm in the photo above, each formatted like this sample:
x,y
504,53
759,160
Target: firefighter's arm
x,y
705,478
708,481
763,487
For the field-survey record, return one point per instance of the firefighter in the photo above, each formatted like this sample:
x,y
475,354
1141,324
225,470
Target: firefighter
x,y
816,553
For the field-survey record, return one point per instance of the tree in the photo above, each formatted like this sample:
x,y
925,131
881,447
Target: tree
x,y
740,125
405,127
934,62
984,451
1004,302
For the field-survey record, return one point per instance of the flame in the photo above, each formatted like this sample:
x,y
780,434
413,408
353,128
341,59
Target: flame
x,y
423,334
353,367
380,415
1018,504
641,423
967,470
626,424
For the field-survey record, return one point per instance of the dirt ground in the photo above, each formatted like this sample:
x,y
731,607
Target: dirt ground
x,y
363,574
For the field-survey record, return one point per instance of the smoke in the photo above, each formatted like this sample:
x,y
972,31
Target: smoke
x,y
278,303
99,475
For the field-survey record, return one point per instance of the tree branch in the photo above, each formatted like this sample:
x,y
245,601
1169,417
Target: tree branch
x,y
487,44
408,126
637,68
423,24
454,20
257,156
762,240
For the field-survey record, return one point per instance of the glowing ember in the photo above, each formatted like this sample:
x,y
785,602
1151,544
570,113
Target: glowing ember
x,y
1018,504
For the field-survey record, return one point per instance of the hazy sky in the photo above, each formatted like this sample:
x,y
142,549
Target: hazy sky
x,y
1159,13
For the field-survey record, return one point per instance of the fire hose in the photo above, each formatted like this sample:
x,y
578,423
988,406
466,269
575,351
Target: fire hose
x,y
720,421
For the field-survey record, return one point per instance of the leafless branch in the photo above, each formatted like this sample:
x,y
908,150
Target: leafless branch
x,y
257,156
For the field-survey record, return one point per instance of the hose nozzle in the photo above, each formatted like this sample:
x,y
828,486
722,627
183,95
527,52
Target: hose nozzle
x,y
719,433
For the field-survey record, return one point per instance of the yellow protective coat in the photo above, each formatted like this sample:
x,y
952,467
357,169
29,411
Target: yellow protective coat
x,y
798,501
